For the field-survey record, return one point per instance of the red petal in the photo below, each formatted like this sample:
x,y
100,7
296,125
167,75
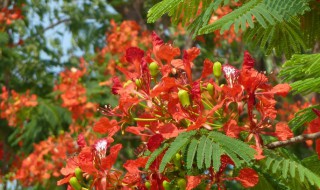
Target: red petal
x,y
248,177
116,85
248,62
200,121
136,130
108,161
192,53
232,129
167,52
283,132
281,89
81,141
207,68
104,125
64,180
132,166
168,130
166,84
193,181
154,142
156,40
134,54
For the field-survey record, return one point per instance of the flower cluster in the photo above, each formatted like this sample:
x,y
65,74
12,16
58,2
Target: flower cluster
x,y
12,102
73,93
46,160
9,15
159,98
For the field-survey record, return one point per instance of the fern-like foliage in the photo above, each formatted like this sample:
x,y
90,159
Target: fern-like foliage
x,y
310,24
302,117
204,150
288,168
284,37
286,26
184,11
304,70
265,12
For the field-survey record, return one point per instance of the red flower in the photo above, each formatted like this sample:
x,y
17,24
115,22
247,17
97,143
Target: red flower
x,y
283,132
248,177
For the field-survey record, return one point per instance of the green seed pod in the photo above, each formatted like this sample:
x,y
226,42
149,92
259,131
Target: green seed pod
x,y
182,183
75,183
177,160
210,89
166,185
154,69
79,174
184,98
217,69
147,184
138,83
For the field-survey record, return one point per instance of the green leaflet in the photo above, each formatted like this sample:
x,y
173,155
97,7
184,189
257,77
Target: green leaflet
x,y
290,168
201,150
191,152
182,140
204,151
216,154
155,154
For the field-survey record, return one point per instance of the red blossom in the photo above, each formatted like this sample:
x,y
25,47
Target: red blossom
x,y
232,129
154,142
116,85
283,132
207,68
281,89
193,181
248,177
104,125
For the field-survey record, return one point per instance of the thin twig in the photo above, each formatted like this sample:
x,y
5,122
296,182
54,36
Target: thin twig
x,y
297,139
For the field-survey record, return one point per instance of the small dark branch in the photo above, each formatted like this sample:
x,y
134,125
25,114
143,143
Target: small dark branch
x,y
56,24
297,139
49,27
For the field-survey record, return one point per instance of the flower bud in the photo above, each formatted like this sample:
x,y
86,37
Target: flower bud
x,y
75,183
154,69
217,69
177,160
182,183
184,98
210,89
138,83
78,173
147,184
166,185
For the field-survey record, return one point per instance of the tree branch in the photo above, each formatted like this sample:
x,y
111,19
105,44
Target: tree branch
x,y
297,139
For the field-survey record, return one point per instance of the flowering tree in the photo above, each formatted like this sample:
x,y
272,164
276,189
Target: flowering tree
x,y
135,112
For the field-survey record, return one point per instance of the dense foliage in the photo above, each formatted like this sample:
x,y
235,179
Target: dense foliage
x,y
130,105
